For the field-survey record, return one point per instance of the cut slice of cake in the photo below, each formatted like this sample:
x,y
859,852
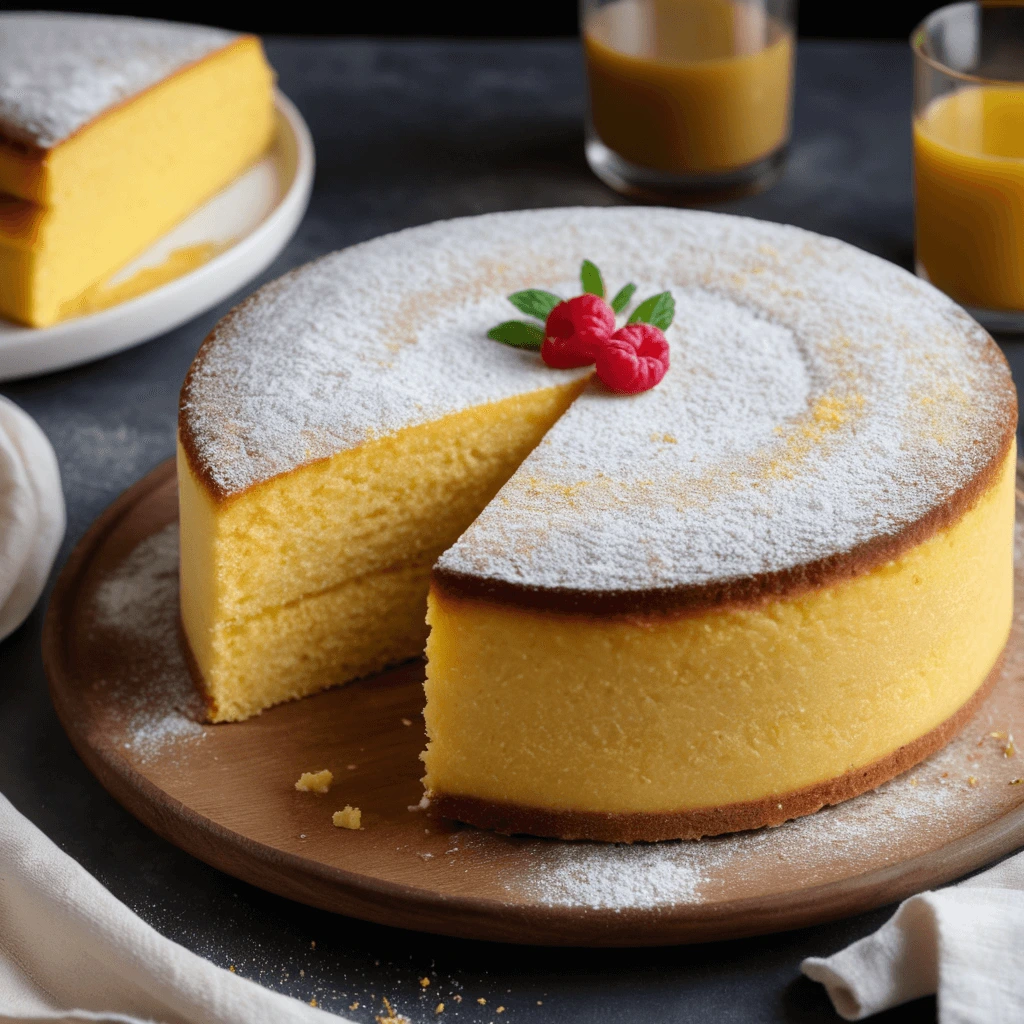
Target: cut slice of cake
x,y
338,431
777,579
112,130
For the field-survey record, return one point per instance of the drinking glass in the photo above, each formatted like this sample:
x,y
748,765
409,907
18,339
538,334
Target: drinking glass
x,y
690,100
969,157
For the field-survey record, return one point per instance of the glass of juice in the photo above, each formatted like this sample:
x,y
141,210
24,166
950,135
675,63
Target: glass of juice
x,y
969,157
690,100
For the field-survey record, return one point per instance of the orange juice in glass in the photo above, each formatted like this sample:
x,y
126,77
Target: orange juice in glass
x,y
969,157
689,99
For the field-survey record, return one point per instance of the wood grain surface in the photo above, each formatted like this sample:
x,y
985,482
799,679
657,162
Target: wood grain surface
x,y
225,793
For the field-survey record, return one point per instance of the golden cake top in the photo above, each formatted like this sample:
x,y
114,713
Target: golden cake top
x,y
819,399
60,71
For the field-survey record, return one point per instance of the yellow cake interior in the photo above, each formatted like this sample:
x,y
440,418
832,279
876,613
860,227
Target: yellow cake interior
x,y
320,575
664,713
72,215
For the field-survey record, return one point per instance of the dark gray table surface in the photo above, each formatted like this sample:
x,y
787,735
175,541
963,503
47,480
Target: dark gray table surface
x,y
408,133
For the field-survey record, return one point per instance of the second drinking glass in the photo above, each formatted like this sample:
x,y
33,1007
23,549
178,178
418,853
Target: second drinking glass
x,y
690,100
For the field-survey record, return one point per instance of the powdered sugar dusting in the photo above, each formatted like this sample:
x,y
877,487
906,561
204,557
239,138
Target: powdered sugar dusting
x,y
818,397
59,71
139,602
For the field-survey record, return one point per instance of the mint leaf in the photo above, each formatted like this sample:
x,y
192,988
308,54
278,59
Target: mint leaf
x,y
590,278
518,334
534,302
622,297
658,310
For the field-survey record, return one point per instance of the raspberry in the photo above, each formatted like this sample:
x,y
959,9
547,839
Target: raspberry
x,y
574,330
633,359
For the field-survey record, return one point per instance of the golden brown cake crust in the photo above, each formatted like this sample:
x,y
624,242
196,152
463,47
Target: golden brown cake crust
x,y
750,590
649,827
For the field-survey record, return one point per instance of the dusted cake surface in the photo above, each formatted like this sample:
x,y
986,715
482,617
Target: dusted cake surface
x,y
112,130
823,407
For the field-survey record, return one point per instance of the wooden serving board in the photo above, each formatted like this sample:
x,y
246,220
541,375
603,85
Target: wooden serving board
x,y
225,793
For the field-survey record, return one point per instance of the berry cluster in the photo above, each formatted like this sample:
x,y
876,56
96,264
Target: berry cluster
x,y
581,332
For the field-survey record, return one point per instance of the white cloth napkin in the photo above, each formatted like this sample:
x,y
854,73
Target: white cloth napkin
x,y
31,514
69,951
964,943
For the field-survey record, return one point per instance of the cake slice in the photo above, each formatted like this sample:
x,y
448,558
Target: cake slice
x,y
338,431
112,130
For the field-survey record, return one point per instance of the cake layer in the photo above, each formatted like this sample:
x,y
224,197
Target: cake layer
x,y
681,713
352,630
103,195
304,540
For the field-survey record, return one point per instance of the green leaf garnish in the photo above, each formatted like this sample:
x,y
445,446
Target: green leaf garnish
x,y
518,334
534,302
590,278
622,297
658,310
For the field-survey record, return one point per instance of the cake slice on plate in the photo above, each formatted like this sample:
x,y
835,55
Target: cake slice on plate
x,y
112,130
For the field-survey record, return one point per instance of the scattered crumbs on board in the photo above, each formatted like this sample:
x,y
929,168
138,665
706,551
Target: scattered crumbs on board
x,y
139,602
348,817
315,782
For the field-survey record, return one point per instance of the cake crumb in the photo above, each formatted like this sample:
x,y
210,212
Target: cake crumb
x,y
425,982
540,1002
972,781
302,972
312,944
232,969
354,1006
500,1009
458,999
315,782
998,735
1009,750
439,1008
406,721
347,817
312,1001
482,1001
392,1017
1016,782
351,767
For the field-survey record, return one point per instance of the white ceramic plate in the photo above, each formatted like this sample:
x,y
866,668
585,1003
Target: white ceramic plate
x,y
257,214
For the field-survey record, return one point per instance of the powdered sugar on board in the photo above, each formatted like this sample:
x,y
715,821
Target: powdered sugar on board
x,y
138,602
59,71
818,397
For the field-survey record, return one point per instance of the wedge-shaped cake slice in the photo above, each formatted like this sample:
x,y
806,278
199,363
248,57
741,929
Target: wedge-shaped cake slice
x,y
112,130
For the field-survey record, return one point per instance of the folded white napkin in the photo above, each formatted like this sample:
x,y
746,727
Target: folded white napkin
x,y
964,943
69,951
31,514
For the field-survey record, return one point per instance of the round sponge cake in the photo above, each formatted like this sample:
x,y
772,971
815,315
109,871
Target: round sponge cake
x,y
775,580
